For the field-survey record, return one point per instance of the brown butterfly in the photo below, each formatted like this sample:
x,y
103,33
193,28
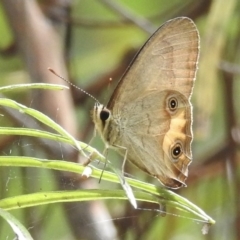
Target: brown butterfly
x,y
149,116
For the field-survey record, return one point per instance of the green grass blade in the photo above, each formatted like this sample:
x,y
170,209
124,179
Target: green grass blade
x,y
32,86
40,117
36,199
170,198
20,231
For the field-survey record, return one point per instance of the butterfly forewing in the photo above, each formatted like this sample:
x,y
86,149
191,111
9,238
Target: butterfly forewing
x,y
168,60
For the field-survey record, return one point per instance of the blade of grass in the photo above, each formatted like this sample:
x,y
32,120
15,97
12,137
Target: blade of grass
x,y
36,199
21,232
40,117
161,193
32,86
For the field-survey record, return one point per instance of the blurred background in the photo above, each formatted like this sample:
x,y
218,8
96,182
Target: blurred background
x,y
91,42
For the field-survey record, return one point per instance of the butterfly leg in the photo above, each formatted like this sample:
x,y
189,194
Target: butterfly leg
x,y
105,153
94,135
124,160
125,156
91,157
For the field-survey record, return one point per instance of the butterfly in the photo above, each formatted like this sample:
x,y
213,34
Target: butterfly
x,y
148,118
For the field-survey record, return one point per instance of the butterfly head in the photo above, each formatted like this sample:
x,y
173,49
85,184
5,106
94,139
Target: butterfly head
x,y
101,119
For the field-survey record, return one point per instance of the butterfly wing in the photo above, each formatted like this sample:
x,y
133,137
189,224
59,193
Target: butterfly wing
x,y
151,103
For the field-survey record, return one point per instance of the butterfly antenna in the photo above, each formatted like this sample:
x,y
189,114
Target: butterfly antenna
x,y
64,79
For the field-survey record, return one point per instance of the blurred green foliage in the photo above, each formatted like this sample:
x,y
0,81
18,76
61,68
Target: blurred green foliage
x,y
98,44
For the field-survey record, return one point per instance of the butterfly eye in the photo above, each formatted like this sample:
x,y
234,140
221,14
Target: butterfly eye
x,y
172,104
104,115
176,151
